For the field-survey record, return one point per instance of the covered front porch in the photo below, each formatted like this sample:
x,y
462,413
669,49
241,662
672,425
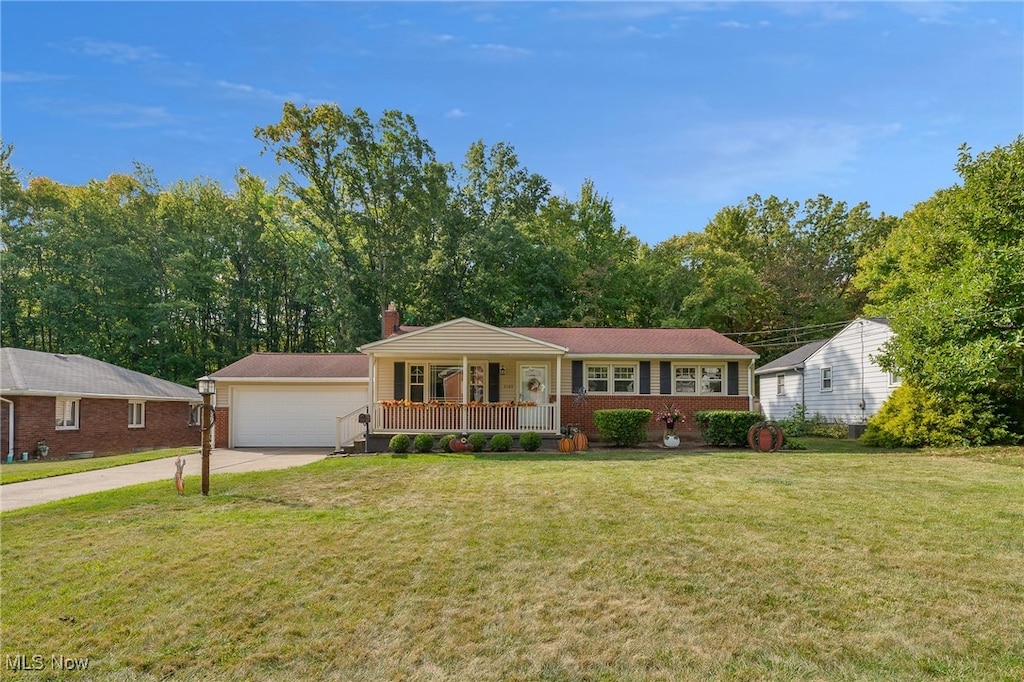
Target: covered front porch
x,y
440,418
464,376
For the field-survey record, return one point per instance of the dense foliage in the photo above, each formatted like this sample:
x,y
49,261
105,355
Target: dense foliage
x,y
726,428
950,278
180,280
914,418
622,427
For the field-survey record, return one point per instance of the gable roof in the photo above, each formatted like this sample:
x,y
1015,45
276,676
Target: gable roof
x,y
638,342
792,359
461,331
30,372
298,365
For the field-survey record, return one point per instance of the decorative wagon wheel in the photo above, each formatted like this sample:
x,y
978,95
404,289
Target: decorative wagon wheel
x,y
765,437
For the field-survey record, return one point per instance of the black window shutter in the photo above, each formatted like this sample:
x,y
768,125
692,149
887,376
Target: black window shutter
x,y
645,377
493,382
734,378
666,377
399,381
577,376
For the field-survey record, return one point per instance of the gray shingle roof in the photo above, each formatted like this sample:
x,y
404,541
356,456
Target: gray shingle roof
x,y
36,373
793,358
298,365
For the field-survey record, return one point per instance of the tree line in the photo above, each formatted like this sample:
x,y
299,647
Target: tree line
x,y
179,280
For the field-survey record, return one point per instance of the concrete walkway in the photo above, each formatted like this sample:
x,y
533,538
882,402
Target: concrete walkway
x,y
28,493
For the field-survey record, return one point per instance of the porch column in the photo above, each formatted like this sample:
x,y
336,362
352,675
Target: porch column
x,y
465,393
558,393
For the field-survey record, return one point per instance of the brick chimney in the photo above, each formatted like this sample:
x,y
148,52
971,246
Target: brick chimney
x,y
389,322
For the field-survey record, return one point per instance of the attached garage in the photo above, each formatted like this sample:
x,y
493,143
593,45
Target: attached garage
x,y
291,416
288,399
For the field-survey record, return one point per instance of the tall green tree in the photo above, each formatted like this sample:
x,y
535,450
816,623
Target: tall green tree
x,y
950,278
366,189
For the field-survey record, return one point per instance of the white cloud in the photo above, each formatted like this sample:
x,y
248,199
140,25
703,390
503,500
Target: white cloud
x,y
27,77
733,24
455,113
115,115
502,51
725,161
118,53
258,93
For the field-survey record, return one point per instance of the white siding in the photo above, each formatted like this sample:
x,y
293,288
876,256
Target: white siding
x,y
777,406
463,336
855,376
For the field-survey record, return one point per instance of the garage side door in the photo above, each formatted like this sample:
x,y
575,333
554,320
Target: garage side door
x,y
291,416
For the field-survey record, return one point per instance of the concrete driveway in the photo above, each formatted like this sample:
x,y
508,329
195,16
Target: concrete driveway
x,y
28,493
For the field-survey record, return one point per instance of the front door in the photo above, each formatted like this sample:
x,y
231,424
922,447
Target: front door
x,y
533,387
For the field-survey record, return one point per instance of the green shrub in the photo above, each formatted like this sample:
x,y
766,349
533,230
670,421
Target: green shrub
x,y
399,443
501,442
529,441
914,418
726,428
478,441
423,443
797,424
445,442
623,427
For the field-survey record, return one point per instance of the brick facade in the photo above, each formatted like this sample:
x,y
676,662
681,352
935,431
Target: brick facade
x,y
221,426
583,414
102,427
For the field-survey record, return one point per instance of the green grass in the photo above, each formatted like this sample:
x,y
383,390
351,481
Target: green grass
x,y
30,471
612,565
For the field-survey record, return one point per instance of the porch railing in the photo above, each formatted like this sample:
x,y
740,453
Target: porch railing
x,y
457,418
348,428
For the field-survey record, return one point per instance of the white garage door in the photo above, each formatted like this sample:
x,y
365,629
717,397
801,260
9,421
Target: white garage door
x,y
298,416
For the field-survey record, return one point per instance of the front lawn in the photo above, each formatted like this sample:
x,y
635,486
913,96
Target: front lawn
x,y
653,565
30,471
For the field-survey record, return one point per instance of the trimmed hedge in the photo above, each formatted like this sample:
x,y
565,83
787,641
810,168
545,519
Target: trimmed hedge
x,y
399,443
478,441
423,443
530,441
726,428
445,442
501,442
623,427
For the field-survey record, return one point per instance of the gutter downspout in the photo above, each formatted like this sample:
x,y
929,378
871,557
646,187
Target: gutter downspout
x,y
10,426
750,387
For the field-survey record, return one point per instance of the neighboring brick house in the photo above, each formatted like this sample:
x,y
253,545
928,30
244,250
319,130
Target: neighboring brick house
x,y
516,379
78,404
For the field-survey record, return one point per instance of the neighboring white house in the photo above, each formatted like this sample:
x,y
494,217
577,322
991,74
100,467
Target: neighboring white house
x,y
835,378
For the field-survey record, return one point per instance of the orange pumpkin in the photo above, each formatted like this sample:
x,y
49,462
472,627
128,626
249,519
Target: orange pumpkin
x,y
565,445
579,441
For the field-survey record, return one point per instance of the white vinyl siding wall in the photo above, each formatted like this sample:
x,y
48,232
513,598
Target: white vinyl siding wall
x,y
777,406
850,354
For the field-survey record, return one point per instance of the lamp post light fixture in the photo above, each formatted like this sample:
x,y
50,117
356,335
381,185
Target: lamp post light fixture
x,y
207,388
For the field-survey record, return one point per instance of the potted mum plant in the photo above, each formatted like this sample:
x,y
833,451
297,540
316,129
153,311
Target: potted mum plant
x,y
670,416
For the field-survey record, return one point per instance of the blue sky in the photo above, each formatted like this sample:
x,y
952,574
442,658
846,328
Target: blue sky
x,y
674,110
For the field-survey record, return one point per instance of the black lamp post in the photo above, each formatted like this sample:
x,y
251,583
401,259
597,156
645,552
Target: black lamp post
x,y
207,388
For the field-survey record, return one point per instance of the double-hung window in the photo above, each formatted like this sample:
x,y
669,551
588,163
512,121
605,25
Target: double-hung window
x,y
611,379
136,414
711,379
685,380
697,379
780,384
67,413
826,379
